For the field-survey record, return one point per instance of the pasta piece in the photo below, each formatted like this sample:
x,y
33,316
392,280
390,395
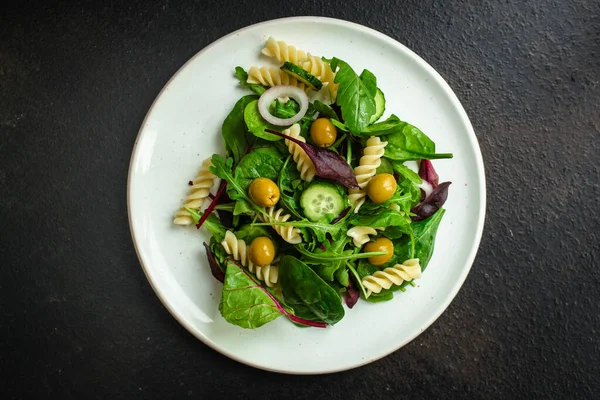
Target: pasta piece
x,y
303,162
289,233
367,166
238,249
407,271
199,191
322,70
360,234
284,52
313,64
273,76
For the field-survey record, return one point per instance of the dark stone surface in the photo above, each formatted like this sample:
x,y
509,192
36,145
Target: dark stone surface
x,y
78,318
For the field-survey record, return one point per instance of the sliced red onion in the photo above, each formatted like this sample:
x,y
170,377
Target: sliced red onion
x,y
282,91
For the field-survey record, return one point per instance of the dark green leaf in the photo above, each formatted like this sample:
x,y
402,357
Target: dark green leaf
x,y
396,225
407,172
301,286
212,223
236,138
257,124
370,81
325,110
424,240
265,162
354,98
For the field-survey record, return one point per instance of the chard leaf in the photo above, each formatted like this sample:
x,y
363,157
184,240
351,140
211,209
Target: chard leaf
x,y
328,163
355,98
432,203
245,303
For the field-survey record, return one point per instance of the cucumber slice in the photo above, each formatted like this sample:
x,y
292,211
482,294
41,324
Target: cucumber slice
x,y
379,106
302,75
321,199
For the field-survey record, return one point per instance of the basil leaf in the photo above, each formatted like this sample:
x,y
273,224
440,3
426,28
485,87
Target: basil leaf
x,y
302,287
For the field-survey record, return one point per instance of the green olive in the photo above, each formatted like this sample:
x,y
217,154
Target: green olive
x,y
323,132
381,188
264,192
262,251
381,244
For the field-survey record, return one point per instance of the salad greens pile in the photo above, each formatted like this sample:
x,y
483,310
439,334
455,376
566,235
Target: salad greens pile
x,y
316,275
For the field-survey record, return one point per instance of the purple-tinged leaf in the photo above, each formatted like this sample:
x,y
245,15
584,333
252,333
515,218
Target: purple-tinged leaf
x,y
226,217
212,205
341,216
328,163
278,305
214,265
432,203
427,173
352,294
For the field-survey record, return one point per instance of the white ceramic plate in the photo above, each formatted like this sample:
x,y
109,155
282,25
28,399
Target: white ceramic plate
x,y
183,127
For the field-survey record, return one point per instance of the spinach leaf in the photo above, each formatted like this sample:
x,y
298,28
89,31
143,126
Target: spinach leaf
x,y
301,286
370,81
245,303
424,233
212,223
249,232
341,275
325,110
236,138
263,162
387,127
385,167
396,225
354,97
257,124
242,75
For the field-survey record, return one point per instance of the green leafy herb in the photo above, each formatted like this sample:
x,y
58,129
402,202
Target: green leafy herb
x,y
301,286
406,172
236,138
424,240
370,81
265,162
285,110
242,75
212,223
355,98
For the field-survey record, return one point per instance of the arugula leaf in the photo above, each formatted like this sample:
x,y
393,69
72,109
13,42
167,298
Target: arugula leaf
x,y
245,303
407,173
285,110
257,124
328,270
290,182
223,169
212,223
263,162
329,255
301,286
325,110
354,96
242,75
424,233
236,138
396,225
242,207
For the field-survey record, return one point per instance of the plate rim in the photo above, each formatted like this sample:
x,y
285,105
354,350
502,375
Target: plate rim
x,y
480,175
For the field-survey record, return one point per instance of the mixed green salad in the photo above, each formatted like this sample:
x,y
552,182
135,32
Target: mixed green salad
x,y
313,205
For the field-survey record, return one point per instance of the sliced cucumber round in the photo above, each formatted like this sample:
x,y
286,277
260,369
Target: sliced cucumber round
x,y
322,199
302,75
379,106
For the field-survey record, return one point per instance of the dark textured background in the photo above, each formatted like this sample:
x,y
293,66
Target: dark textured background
x,y
79,319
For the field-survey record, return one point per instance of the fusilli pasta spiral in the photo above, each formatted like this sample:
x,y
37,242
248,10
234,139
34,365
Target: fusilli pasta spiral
x,y
238,249
368,164
408,270
303,162
199,191
313,64
284,52
360,234
289,233
273,76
